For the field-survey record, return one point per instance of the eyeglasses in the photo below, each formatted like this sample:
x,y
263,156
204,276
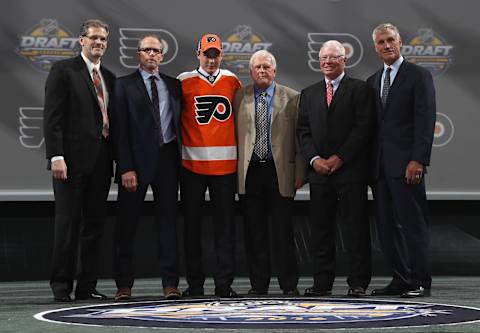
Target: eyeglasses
x,y
331,58
147,50
96,37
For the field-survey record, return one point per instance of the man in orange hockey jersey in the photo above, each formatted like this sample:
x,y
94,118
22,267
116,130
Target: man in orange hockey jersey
x,y
209,160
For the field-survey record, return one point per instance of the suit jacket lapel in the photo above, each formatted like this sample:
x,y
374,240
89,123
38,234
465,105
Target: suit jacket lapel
x,y
399,78
278,102
377,87
141,86
319,108
249,104
86,76
322,102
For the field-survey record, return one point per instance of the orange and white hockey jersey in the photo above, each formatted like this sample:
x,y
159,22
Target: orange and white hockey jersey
x,y
208,131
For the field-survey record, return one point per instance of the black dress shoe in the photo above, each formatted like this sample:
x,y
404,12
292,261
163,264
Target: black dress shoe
x,y
388,291
191,292
257,292
92,295
63,299
312,291
356,292
226,293
418,292
291,292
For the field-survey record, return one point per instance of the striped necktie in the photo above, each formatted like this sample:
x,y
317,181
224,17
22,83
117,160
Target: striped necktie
x,y
97,83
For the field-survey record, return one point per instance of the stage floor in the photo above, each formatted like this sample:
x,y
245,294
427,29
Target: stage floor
x,y
20,301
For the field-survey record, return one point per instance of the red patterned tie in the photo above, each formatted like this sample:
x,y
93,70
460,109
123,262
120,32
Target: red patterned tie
x,y
329,92
97,82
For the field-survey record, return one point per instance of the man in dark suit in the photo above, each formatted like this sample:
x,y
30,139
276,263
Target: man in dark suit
x,y
334,130
77,141
405,121
270,170
148,106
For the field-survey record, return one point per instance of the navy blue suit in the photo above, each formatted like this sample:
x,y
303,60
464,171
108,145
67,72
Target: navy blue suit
x,y
156,165
404,133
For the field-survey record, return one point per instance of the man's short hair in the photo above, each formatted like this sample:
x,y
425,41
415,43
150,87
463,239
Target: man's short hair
x,y
151,36
333,43
384,27
93,23
263,53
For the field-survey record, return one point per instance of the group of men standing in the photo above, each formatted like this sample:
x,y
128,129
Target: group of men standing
x,y
263,141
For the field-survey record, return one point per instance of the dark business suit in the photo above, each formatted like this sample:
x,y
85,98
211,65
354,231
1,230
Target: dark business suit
x,y
157,165
404,133
73,129
343,129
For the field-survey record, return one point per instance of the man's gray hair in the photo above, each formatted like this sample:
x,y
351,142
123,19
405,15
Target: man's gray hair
x,y
147,36
263,53
384,27
333,43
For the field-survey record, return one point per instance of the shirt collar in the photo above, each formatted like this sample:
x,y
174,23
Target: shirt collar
x,y
395,66
270,90
90,65
146,75
204,73
336,81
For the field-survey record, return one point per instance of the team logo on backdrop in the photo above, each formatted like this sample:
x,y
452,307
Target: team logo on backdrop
x,y
206,107
46,43
429,50
444,130
129,38
239,45
31,126
265,313
353,48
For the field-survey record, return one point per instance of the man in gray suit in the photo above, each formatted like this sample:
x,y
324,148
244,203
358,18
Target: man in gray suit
x,y
270,170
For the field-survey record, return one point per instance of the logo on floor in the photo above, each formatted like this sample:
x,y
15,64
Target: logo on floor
x,y
264,313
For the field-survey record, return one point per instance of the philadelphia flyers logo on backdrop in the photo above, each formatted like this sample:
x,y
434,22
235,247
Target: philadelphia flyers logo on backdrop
x,y
212,106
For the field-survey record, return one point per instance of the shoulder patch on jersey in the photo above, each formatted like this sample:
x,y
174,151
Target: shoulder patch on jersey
x,y
186,75
226,72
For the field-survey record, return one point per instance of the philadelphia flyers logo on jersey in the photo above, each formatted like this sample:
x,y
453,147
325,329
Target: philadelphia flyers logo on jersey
x,y
212,106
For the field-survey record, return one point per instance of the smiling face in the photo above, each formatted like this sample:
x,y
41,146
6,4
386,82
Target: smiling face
x,y
94,43
332,61
388,45
150,54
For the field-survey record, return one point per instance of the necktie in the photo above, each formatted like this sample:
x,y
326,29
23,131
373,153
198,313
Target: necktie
x,y
156,108
386,86
97,83
261,126
329,92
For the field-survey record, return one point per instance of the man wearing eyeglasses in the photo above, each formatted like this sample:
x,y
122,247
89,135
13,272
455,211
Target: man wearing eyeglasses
x,y
147,106
78,149
334,131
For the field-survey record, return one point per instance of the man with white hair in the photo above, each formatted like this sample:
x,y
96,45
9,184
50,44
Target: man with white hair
x,y
270,170
334,130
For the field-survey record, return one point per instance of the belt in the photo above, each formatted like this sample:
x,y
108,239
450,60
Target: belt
x,y
265,162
